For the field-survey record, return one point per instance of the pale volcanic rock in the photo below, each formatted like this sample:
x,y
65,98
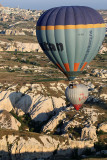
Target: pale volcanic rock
x,y
24,67
60,86
12,88
7,121
40,146
58,102
22,47
103,75
103,50
27,47
13,32
28,85
1,49
72,123
23,89
41,108
6,104
67,148
36,87
92,114
95,71
104,96
89,133
38,106
54,121
99,73
103,127
10,47
8,100
48,141
34,33
90,86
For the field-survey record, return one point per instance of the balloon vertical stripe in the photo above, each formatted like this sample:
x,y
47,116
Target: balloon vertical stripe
x,y
84,66
67,67
76,66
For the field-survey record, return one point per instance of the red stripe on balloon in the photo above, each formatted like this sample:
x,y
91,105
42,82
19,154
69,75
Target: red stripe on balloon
x,y
84,65
59,67
76,65
67,67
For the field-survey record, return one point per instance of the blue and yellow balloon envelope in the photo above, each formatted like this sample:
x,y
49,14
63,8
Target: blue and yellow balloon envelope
x,y
71,37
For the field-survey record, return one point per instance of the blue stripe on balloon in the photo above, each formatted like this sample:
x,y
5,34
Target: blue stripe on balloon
x,y
79,15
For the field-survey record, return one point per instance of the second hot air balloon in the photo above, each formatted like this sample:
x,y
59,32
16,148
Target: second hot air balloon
x,y
77,94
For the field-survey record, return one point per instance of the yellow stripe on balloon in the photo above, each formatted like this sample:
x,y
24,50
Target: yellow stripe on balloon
x,y
79,26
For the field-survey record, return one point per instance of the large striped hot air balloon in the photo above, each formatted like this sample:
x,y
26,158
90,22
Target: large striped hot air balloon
x,y
71,37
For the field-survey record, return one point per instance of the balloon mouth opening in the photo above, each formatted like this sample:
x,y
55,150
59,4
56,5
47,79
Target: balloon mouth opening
x,y
71,78
72,75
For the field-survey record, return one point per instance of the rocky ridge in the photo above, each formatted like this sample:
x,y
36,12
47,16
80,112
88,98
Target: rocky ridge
x,y
19,46
49,114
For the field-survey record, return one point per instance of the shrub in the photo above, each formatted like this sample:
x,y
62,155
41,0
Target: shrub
x,y
101,132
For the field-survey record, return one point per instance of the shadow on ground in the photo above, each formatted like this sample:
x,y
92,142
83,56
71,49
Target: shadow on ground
x,y
73,155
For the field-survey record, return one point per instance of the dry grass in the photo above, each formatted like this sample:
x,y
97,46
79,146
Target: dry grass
x,y
20,76
23,39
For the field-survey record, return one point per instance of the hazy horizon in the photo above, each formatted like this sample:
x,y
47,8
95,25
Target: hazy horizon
x,y
46,4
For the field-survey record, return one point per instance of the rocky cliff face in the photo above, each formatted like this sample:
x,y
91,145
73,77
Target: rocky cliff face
x,y
7,121
49,115
38,146
12,32
19,46
24,47
42,108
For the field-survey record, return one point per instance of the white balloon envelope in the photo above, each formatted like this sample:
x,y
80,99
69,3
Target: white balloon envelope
x,y
76,94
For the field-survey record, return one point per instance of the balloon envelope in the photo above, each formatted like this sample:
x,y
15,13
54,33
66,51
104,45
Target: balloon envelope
x,y
71,37
77,95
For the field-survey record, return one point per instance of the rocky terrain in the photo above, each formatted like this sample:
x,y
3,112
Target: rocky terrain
x,y
36,120
18,29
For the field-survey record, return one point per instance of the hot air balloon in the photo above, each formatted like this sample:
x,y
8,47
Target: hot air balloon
x,y
77,94
71,37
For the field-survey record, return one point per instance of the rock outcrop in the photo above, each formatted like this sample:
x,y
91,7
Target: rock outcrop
x,y
53,123
19,46
103,127
7,121
12,32
24,47
99,73
103,50
8,100
89,133
39,146
39,107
